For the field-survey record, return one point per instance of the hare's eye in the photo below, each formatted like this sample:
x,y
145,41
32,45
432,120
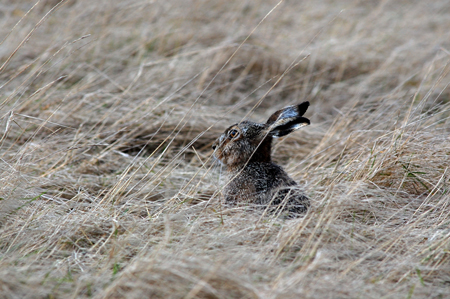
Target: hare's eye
x,y
233,134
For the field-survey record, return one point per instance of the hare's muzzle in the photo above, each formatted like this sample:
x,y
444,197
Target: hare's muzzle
x,y
218,142
217,147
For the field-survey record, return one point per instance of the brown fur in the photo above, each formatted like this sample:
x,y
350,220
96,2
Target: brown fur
x,y
245,149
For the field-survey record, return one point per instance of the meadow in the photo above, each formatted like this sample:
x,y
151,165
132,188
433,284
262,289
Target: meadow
x,y
109,109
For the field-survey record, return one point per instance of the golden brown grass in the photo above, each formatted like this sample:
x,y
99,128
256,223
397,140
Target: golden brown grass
x,y
108,110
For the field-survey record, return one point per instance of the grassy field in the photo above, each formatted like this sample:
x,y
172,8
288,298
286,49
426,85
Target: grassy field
x,y
108,110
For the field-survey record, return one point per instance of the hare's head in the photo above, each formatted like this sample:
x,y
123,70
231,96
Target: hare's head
x,y
251,142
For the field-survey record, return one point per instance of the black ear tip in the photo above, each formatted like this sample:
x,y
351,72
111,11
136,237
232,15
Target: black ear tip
x,y
303,120
305,104
303,107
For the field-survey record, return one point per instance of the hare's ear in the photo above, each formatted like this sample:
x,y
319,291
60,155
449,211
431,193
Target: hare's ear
x,y
287,120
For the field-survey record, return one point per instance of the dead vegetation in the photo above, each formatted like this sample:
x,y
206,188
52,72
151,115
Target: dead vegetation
x,y
108,110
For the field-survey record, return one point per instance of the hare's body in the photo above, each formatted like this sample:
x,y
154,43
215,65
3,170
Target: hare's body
x,y
245,150
273,187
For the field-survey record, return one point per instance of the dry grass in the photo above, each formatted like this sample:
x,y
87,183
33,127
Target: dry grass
x,y
108,110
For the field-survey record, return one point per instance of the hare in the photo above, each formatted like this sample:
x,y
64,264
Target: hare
x,y
245,150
